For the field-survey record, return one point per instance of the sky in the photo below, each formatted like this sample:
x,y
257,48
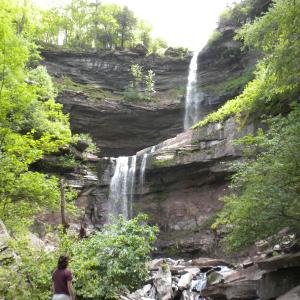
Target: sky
x,y
187,23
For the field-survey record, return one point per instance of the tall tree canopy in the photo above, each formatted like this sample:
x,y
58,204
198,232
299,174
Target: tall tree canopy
x,y
87,24
31,123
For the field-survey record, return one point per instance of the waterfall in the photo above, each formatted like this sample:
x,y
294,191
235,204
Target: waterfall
x,y
193,97
121,188
143,167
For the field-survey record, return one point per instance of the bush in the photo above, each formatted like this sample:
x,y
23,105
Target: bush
x,y
102,264
140,81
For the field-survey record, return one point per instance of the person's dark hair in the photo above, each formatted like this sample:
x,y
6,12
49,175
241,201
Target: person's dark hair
x,y
63,262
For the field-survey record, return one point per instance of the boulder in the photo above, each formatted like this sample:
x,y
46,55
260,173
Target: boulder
x,y
280,262
163,283
140,49
188,295
185,281
81,145
35,243
214,278
293,294
276,283
209,262
155,263
241,290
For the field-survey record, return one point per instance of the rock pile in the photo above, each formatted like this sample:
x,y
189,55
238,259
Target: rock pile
x,y
177,279
272,274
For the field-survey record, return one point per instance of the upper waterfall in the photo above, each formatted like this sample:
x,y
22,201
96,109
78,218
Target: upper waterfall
x,y
192,99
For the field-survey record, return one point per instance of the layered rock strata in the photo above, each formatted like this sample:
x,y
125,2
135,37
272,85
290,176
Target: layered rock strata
x,y
185,177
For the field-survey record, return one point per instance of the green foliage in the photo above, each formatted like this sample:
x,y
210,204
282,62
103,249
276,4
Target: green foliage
x,y
149,81
92,148
232,84
43,81
265,190
30,277
276,81
94,92
102,264
31,124
241,13
215,36
137,73
82,24
158,46
140,81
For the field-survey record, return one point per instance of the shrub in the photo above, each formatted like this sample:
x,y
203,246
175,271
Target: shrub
x,y
102,264
265,190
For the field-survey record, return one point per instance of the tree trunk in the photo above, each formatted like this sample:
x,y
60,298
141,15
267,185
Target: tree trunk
x,y
62,204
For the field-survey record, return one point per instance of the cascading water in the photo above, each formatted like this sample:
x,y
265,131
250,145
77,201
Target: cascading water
x,y
143,167
121,187
193,97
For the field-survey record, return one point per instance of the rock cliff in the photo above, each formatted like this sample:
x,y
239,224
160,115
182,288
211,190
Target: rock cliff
x,y
184,179
123,128
187,174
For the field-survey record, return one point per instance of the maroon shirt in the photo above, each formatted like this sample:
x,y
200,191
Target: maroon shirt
x,y
60,278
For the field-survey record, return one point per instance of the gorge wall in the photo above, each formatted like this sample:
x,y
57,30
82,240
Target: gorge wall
x,y
186,174
94,99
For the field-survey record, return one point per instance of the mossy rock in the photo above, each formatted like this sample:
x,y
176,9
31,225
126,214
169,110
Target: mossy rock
x,y
214,278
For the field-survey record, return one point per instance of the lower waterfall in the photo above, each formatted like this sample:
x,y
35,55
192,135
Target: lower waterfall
x,y
121,188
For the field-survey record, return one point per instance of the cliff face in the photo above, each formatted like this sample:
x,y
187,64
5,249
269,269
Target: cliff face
x,y
95,105
224,67
186,175
111,69
121,128
184,179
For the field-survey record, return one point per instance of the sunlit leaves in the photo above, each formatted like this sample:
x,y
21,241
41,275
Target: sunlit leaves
x,y
31,123
266,190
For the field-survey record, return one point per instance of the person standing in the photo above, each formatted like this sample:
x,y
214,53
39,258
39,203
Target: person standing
x,y
62,281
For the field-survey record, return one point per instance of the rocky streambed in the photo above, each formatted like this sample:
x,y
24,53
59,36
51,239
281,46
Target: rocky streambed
x,y
270,274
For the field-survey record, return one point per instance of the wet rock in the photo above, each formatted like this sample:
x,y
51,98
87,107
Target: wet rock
x,y
189,295
193,271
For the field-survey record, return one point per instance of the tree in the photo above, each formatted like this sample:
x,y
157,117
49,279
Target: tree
x,y
126,21
31,124
266,189
144,33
